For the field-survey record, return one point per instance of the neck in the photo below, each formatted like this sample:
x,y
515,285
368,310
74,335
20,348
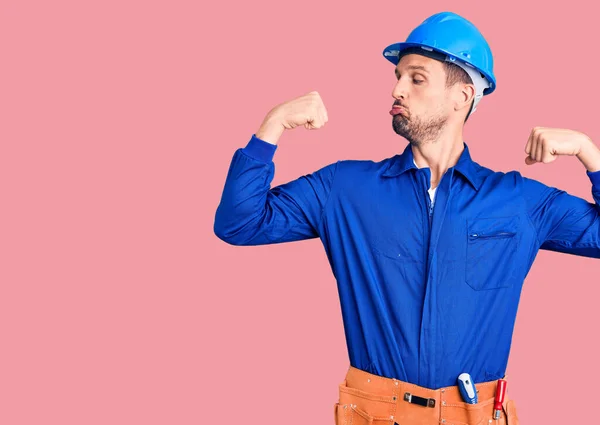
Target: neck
x,y
439,155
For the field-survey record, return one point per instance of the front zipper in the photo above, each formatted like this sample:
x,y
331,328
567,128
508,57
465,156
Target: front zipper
x,y
493,235
431,203
429,209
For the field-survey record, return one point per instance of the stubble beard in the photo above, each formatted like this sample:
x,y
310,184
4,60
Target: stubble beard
x,y
418,131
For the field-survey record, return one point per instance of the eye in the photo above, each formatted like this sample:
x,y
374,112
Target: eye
x,y
417,81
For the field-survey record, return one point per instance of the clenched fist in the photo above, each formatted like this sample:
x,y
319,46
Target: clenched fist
x,y
307,110
546,144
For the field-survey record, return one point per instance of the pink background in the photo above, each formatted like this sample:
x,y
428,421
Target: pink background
x,y
119,305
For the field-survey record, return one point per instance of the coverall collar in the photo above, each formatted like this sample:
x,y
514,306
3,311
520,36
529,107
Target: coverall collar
x,y
465,165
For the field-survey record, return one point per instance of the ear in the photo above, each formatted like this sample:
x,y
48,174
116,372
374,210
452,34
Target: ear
x,y
464,95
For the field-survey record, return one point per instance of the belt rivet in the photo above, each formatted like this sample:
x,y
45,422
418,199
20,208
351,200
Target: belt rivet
x,y
369,380
443,421
392,417
394,398
396,382
443,390
443,402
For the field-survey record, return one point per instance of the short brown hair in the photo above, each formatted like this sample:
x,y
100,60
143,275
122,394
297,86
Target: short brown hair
x,y
455,74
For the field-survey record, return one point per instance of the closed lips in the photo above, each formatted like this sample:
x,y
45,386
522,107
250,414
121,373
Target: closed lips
x,y
397,110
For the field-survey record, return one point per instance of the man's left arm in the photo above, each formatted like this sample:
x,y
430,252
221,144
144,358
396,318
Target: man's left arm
x,y
564,222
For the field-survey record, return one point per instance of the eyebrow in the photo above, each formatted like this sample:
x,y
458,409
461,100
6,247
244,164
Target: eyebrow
x,y
419,67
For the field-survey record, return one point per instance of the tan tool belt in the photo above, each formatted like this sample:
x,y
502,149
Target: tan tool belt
x,y
367,399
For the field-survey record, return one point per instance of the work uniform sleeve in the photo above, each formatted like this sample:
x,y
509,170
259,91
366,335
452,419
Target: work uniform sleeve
x,y
564,222
252,213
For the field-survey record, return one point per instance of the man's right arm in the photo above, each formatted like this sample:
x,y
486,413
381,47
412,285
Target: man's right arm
x,y
253,213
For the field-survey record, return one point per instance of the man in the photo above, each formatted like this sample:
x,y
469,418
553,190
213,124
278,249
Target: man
x,y
429,248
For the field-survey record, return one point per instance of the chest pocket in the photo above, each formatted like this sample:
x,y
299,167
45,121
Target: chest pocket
x,y
491,258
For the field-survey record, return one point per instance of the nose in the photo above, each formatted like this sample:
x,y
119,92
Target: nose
x,y
399,91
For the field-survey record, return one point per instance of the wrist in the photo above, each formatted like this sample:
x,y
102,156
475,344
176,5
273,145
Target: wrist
x,y
589,155
584,145
270,130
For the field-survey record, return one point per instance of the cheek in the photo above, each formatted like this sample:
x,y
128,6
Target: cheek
x,y
429,102
445,103
433,105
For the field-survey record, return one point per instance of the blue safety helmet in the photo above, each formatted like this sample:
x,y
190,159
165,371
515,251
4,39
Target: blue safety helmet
x,y
454,36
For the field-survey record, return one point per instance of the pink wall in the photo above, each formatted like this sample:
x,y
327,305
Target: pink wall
x,y
119,305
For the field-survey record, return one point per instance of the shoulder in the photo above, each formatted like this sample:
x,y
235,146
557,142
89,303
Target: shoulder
x,y
494,177
363,168
512,180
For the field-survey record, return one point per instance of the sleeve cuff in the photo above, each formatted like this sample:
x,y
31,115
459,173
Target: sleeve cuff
x,y
259,149
594,178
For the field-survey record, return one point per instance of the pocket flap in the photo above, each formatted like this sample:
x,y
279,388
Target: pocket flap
x,y
350,414
493,226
